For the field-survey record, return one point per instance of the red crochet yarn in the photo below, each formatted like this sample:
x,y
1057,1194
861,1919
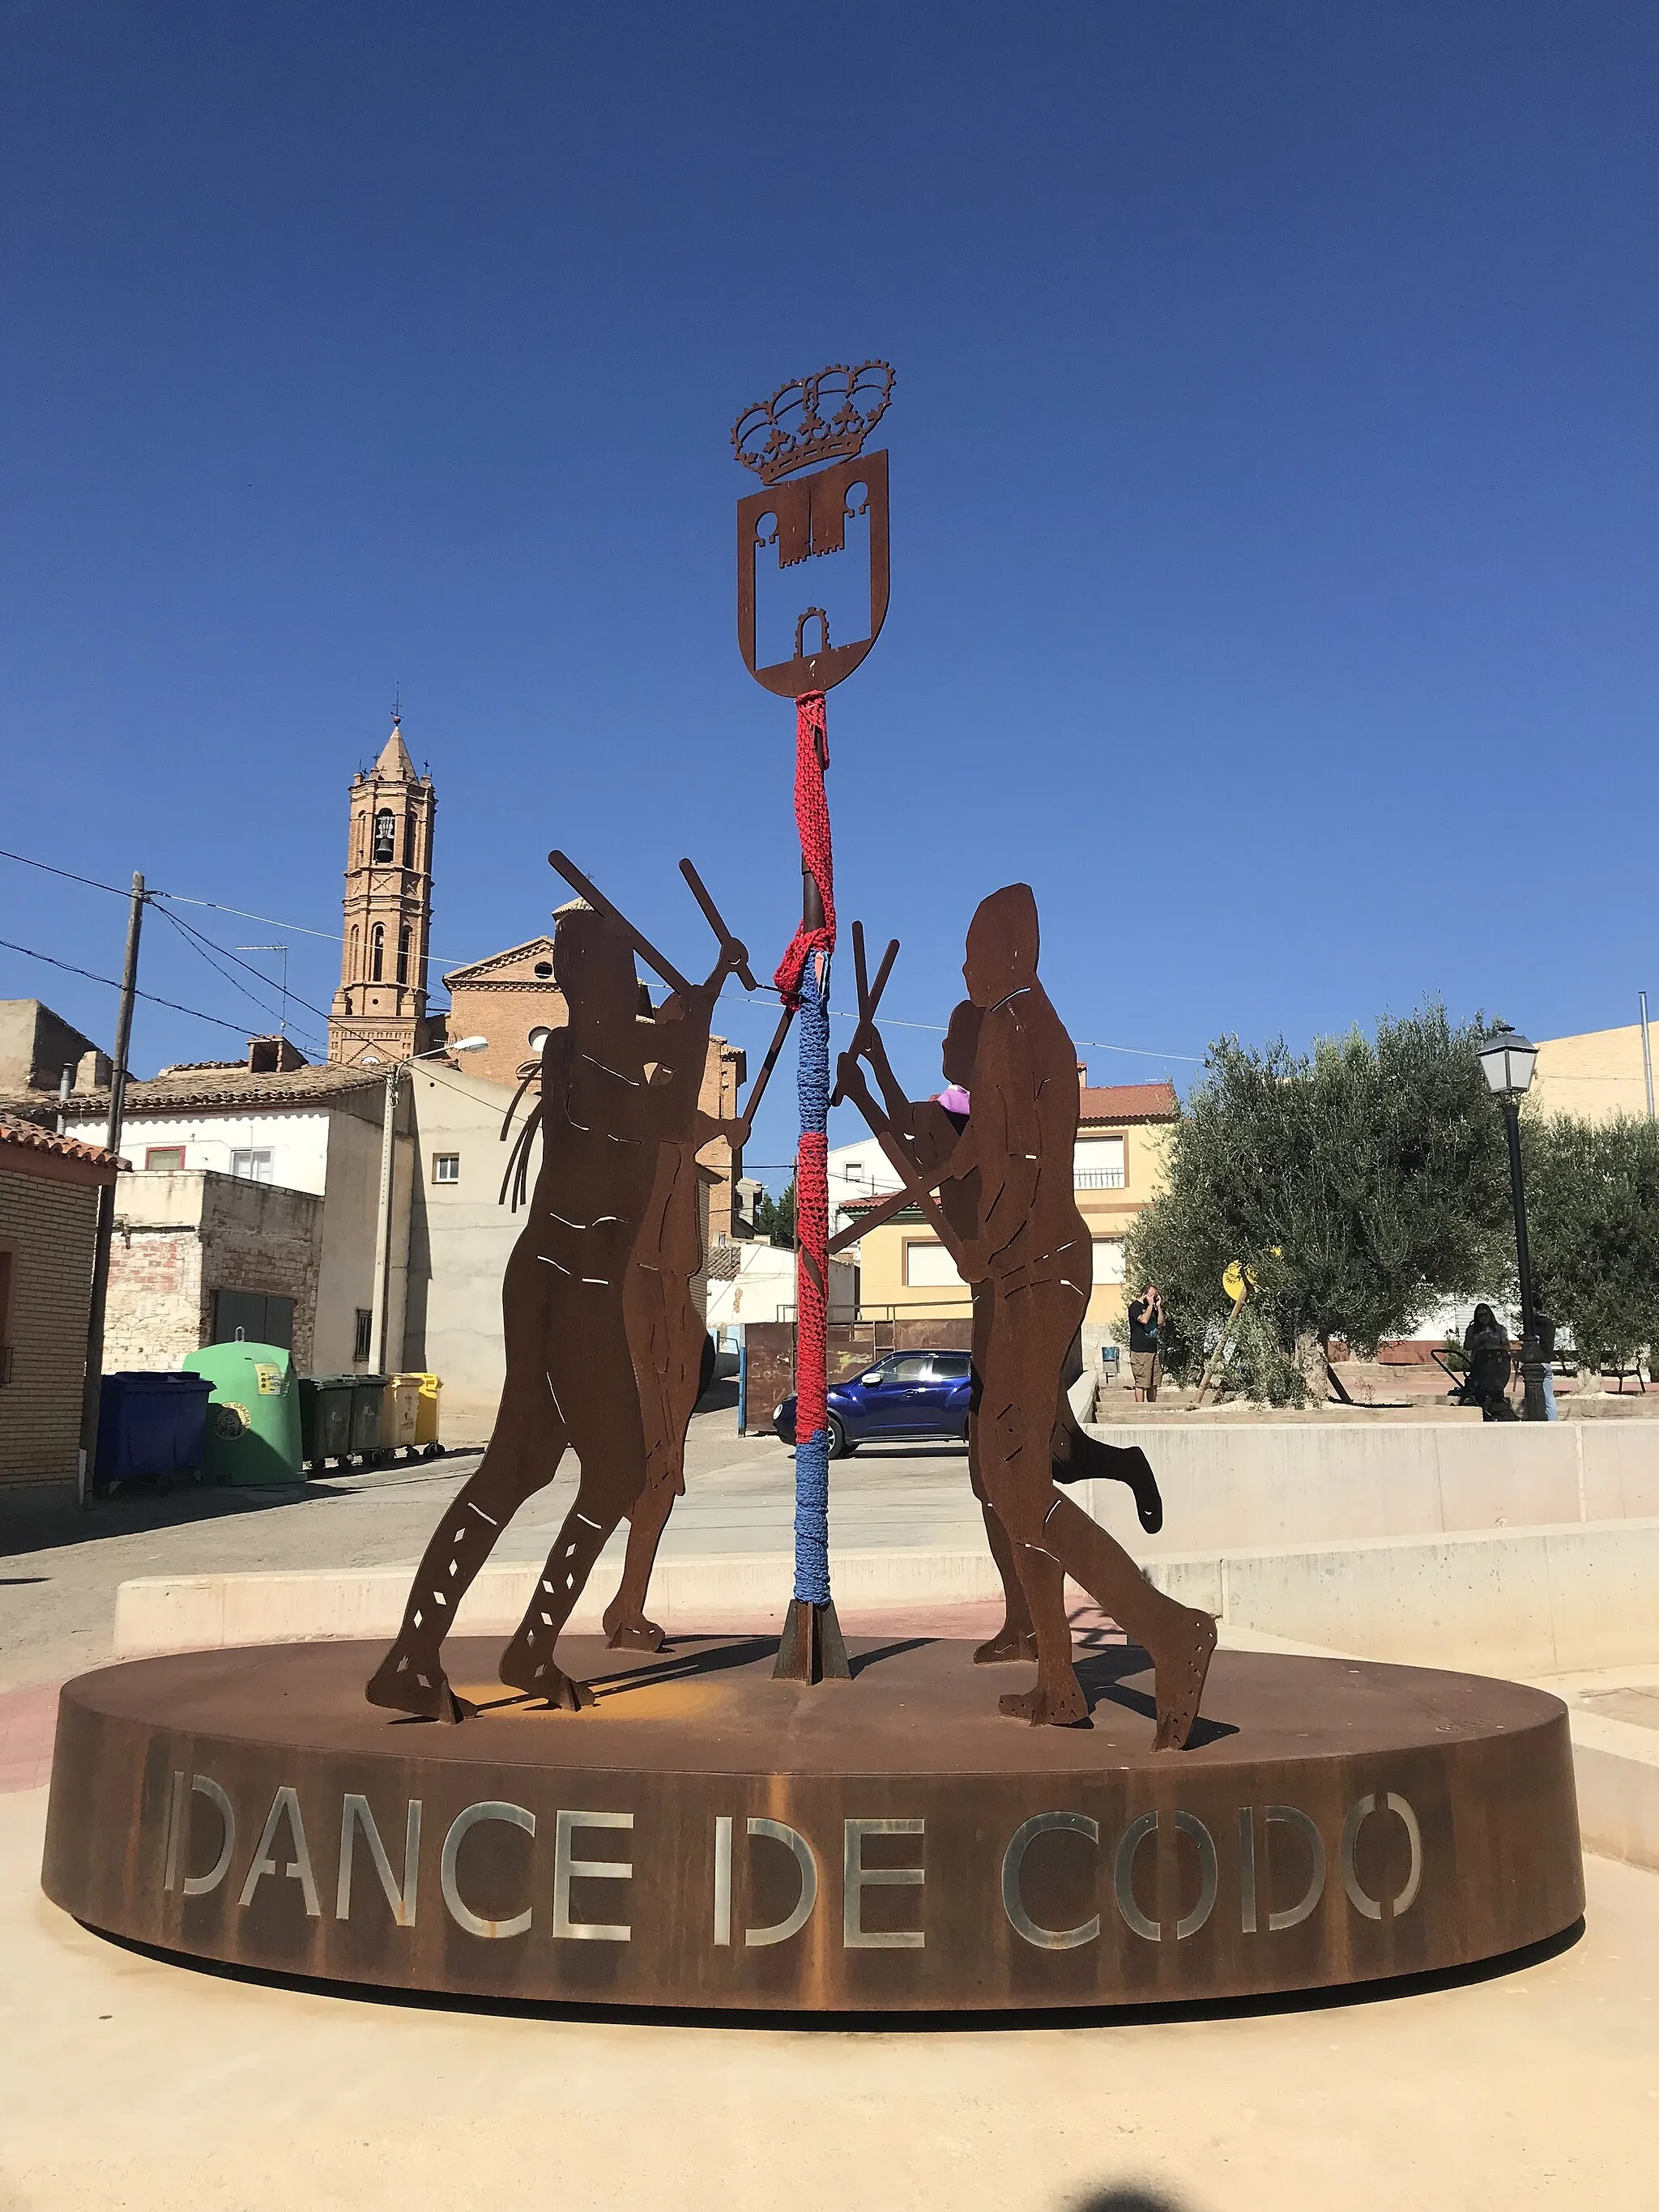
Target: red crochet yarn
x,y
812,820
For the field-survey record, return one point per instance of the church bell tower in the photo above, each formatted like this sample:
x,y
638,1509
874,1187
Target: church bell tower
x,y
379,1010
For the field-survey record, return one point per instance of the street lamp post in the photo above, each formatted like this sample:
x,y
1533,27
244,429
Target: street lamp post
x,y
1507,1060
382,1301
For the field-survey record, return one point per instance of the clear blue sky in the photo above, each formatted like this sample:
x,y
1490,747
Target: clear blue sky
x,y
1274,516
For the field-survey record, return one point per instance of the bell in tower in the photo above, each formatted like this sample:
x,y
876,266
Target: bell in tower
x,y
379,1010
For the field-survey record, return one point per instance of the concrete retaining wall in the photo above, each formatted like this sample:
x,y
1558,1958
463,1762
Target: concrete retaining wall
x,y
1517,1602
1521,1602
1278,1485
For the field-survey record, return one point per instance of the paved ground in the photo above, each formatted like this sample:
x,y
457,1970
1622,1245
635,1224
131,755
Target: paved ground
x,y
61,1567
133,2083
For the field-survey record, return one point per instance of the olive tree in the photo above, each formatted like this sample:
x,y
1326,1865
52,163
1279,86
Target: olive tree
x,y
1593,1218
1362,1183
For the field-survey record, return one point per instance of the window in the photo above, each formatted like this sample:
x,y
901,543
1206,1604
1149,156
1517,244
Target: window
x,y
377,952
952,1366
1108,1259
360,1340
403,955
409,841
446,1167
164,1159
352,971
911,1367
252,1164
5,1318
928,1266
1098,1163
252,1317
386,836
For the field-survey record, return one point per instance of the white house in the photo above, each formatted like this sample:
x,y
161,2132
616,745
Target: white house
x,y
270,1120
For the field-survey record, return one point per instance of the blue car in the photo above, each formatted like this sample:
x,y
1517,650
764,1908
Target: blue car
x,y
908,1394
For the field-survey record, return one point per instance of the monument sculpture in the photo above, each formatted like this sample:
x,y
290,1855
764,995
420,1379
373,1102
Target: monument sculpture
x,y
804,1822
588,1305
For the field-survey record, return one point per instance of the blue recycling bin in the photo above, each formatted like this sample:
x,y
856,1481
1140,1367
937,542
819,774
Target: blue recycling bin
x,y
151,1424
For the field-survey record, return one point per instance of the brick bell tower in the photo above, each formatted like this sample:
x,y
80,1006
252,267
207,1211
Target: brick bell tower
x,y
379,1010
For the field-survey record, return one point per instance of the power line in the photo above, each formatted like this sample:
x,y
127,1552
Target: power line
x,y
29,953
68,874
333,937
205,948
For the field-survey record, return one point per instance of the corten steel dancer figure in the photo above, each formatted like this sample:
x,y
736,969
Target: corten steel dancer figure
x,y
570,1372
666,1332
1032,1249
929,1130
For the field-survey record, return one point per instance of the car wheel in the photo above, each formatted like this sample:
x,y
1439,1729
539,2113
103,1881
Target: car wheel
x,y
839,1447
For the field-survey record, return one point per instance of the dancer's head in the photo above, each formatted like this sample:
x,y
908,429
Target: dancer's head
x,y
1002,944
593,966
961,1043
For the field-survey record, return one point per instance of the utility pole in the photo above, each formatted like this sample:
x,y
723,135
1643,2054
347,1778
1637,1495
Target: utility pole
x,y
1647,1053
118,1087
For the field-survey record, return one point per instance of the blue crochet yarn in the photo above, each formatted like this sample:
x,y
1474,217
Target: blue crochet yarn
x,y
812,1068
812,1453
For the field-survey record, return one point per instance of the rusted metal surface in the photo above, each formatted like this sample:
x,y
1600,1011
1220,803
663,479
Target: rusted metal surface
x,y
603,1345
1006,1214
811,420
1331,1824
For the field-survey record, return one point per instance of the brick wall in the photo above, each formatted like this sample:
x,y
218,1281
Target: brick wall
x,y
179,1238
153,1315
49,1228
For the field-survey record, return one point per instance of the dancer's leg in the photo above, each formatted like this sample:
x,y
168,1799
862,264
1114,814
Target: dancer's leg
x,y
600,1401
1080,1457
625,1621
1053,1538
1179,1641
666,1332
524,1454
1015,1638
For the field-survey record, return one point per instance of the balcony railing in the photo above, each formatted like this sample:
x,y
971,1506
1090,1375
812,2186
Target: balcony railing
x,y
1098,1178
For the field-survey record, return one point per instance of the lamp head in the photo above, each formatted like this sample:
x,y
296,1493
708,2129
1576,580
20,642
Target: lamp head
x,y
1507,1060
470,1044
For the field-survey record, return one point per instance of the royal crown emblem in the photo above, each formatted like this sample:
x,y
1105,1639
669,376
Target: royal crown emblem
x,y
813,419
826,417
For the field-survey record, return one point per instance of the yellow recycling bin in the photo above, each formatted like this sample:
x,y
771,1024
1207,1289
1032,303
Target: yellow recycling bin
x,y
402,1416
415,1418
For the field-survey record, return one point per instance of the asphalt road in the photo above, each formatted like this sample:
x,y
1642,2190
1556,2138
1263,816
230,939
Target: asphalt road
x,y
59,1567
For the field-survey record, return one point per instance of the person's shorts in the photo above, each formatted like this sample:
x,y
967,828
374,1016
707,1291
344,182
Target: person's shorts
x,y
1143,1365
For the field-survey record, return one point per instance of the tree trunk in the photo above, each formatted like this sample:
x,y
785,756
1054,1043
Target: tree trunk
x,y
1309,1360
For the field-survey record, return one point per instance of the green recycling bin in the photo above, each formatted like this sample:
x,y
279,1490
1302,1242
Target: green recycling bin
x,y
326,1419
254,1417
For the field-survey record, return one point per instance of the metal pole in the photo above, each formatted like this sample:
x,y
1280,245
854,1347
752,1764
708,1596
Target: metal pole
x,y
383,1225
106,1230
1647,1053
1532,1369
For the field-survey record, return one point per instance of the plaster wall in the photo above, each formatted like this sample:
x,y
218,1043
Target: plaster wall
x,y
299,1142
460,1242
1593,1076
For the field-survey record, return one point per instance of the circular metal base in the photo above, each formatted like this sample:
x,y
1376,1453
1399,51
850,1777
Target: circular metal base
x,y
707,1835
